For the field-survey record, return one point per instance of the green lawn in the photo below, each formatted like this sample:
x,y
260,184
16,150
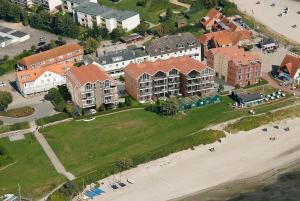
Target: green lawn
x,y
150,14
32,170
86,146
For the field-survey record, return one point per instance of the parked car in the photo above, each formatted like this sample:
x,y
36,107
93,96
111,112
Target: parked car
x,y
2,84
93,111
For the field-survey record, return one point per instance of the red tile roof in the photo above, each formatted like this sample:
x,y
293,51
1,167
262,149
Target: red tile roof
x,y
49,54
87,74
211,16
292,63
183,64
33,74
226,37
235,54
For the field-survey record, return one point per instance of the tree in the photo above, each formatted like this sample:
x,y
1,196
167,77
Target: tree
x,y
95,32
5,100
128,101
142,28
221,88
52,44
90,45
169,14
56,99
117,33
64,92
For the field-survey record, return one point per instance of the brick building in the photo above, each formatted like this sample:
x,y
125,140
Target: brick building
x,y
234,65
165,78
66,53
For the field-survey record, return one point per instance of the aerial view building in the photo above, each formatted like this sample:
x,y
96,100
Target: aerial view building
x,y
235,65
66,53
289,68
166,78
225,38
90,13
50,5
39,80
91,87
182,44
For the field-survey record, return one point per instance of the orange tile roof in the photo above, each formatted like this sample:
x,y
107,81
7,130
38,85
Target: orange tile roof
x,y
183,64
212,15
226,37
49,54
33,74
87,74
292,64
235,54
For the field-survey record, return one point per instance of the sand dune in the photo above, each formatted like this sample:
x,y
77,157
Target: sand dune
x,y
239,156
268,15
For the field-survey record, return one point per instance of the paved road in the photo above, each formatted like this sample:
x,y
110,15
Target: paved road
x,y
50,153
274,84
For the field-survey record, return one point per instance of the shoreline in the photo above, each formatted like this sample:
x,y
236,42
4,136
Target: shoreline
x,y
188,172
235,188
281,27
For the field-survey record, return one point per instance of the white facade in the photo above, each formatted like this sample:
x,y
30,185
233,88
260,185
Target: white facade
x,y
194,52
44,82
131,23
51,5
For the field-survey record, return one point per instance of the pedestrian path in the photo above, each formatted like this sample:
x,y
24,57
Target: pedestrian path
x,y
50,153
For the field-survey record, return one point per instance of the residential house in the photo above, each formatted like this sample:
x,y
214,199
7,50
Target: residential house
x,y
225,38
39,80
66,53
51,5
290,68
182,44
215,21
234,65
114,62
91,87
91,13
165,78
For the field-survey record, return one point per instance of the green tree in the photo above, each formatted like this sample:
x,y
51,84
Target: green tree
x,y
221,88
90,45
142,28
63,90
117,33
56,99
5,100
52,44
169,14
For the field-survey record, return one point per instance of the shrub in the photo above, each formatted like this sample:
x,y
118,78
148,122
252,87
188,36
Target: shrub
x,y
19,126
5,99
51,119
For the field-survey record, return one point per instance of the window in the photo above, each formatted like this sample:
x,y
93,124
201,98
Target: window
x,y
106,83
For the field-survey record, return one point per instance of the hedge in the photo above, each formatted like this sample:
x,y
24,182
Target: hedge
x,y
19,126
51,119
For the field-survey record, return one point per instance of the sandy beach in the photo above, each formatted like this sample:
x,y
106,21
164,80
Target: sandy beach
x,y
238,156
268,15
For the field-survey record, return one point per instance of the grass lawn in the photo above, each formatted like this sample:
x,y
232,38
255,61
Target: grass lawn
x,y
18,112
32,170
86,146
150,14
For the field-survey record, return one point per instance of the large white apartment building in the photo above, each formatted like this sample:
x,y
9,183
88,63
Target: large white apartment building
x,y
88,13
50,5
182,44
38,80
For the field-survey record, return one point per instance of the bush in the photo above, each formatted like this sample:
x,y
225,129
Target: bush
x,y
19,126
51,119
5,100
56,99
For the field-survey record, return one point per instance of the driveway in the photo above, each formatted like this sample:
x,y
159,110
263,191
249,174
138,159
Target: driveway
x,y
17,48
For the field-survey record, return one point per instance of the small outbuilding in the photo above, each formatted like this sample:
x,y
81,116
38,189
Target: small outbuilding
x,y
247,99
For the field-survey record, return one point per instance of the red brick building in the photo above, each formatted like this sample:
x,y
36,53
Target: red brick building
x,y
164,78
235,66
66,53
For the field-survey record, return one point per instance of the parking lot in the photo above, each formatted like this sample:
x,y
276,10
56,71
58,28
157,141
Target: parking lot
x,y
17,48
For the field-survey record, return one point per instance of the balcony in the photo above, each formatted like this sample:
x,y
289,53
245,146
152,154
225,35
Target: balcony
x,y
144,80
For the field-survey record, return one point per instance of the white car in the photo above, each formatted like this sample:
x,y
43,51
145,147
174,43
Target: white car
x,y
93,111
2,84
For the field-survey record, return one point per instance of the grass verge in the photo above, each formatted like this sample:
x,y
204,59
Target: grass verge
x,y
18,112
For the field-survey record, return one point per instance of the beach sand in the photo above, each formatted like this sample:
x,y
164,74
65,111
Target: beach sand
x,y
238,156
268,15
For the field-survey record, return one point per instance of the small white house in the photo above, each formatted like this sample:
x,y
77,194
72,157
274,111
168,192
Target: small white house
x,y
42,79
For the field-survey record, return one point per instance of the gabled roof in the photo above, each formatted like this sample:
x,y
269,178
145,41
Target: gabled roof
x,y
49,54
292,64
33,74
183,64
211,16
226,37
87,74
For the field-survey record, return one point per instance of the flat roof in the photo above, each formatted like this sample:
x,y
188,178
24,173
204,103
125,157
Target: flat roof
x,y
4,39
18,34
